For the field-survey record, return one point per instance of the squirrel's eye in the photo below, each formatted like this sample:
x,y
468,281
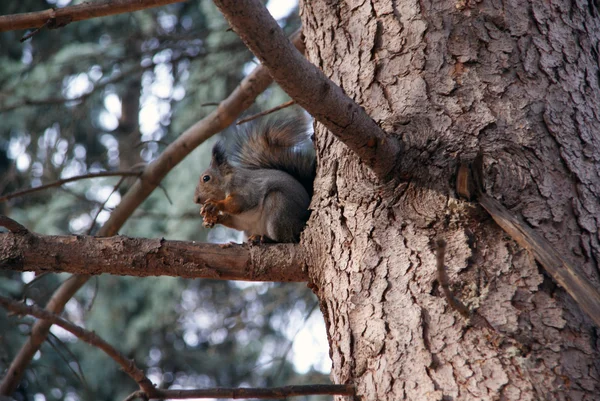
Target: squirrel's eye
x,y
206,178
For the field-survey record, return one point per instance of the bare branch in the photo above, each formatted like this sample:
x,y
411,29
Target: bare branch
x,y
35,31
59,17
266,112
58,183
89,337
142,257
229,109
309,87
260,393
11,225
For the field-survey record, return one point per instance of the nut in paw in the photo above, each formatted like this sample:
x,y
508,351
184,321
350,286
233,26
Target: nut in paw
x,y
210,213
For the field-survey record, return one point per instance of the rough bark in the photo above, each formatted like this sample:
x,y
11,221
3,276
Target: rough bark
x,y
517,81
81,254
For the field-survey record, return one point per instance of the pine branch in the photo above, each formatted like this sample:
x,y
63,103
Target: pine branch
x,y
310,88
59,17
119,255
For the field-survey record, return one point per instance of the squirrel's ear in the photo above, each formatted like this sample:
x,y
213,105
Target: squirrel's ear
x,y
219,159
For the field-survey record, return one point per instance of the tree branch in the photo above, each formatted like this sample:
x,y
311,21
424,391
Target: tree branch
x,y
229,109
89,337
58,183
262,393
309,87
11,225
101,208
119,255
569,277
59,17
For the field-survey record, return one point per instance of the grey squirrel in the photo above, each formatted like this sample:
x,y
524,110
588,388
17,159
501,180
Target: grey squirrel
x,y
260,181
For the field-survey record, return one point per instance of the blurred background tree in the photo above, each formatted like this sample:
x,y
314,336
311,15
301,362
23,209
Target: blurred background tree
x,y
108,94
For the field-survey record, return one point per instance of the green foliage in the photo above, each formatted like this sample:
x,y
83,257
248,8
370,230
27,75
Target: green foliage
x,y
65,103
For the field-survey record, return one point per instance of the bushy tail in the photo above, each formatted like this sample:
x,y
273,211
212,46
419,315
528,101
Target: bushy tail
x,y
277,144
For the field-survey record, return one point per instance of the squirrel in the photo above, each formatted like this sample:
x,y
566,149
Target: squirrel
x,y
260,181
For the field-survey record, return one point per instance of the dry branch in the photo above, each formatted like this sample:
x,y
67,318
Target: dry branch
x,y
569,277
266,112
309,87
565,274
12,225
262,393
59,17
58,183
89,337
229,109
119,255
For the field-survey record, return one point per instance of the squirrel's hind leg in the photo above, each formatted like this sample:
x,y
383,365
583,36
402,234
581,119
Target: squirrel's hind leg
x,y
284,222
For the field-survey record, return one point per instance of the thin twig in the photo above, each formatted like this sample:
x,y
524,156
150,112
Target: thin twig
x,y
36,30
58,183
280,369
162,187
454,302
90,304
83,198
89,337
79,375
266,112
12,225
58,17
101,208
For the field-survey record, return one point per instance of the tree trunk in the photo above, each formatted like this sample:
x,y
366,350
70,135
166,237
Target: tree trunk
x,y
516,81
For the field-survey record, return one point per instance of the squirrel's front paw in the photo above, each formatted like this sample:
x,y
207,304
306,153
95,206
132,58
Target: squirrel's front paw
x,y
209,208
210,213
